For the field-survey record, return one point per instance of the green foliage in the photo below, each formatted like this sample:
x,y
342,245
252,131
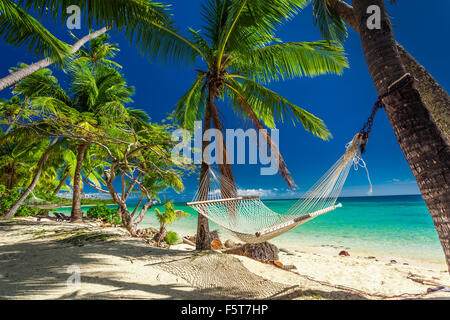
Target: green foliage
x,y
146,22
19,28
242,54
48,197
170,215
9,197
103,212
93,112
239,37
172,238
330,25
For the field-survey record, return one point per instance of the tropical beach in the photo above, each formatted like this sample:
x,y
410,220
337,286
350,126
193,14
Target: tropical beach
x,y
223,150
34,266
386,265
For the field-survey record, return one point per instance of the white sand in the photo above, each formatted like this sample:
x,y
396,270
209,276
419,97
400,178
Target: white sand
x,y
33,265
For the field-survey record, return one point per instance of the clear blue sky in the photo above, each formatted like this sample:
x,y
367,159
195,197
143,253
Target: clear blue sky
x,y
343,102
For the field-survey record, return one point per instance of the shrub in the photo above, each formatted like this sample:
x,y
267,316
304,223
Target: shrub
x,y
172,238
102,212
9,197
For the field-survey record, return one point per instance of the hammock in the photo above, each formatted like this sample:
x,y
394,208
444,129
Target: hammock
x,y
250,220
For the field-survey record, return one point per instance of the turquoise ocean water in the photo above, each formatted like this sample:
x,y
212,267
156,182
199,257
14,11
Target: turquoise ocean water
x,y
390,225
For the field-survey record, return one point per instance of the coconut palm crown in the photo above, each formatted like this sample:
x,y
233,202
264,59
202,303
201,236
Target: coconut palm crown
x,y
241,55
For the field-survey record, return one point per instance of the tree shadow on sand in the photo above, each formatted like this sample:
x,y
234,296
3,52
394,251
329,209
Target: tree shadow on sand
x,y
38,269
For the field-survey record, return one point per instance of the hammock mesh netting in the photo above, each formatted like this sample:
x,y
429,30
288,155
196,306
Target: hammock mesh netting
x,y
250,220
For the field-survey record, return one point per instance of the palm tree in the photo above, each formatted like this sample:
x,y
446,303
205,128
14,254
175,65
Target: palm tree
x,y
64,162
423,145
145,21
18,154
41,91
241,54
330,16
98,89
19,28
40,83
10,112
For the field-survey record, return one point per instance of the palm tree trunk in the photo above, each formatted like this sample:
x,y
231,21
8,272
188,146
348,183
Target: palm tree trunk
x,y
433,95
12,211
224,166
76,214
227,183
15,77
61,183
11,174
202,241
424,147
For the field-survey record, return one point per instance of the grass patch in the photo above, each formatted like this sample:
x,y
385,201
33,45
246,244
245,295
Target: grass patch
x,y
16,221
39,234
317,296
80,238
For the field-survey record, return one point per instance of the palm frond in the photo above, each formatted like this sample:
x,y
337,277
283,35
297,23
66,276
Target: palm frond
x,y
240,100
330,25
40,83
192,105
289,60
269,106
19,28
146,21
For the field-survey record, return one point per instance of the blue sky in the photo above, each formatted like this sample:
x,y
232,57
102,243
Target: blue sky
x,y
343,102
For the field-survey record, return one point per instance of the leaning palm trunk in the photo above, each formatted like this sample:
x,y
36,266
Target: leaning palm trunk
x,y
202,240
61,183
435,98
12,211
15,77
433,95
424,147
227,183
76,214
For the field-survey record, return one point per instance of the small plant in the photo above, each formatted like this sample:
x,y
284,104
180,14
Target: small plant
x,y
169,216
8,197
172,238
103,212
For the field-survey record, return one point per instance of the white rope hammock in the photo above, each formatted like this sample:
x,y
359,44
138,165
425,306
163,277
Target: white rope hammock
x,y
250,220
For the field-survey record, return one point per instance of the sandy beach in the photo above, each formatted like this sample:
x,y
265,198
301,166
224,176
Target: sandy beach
x,y
38,258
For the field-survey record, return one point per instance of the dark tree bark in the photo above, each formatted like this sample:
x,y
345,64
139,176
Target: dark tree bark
x,y
227,182
202,240
435,98
433,95
76,214
11,172
40,166
424,147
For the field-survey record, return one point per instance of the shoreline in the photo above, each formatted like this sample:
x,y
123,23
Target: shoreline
x,y
35,257
329,249
386,254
